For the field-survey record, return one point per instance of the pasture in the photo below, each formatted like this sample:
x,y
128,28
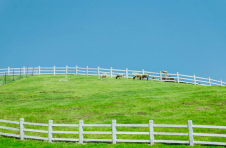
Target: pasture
x,y
43,97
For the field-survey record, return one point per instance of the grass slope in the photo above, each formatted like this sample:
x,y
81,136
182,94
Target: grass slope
x,y
41,98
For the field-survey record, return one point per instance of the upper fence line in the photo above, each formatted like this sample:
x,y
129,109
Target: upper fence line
x,y
155,76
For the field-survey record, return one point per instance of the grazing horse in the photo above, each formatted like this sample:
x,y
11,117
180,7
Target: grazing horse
x,y
137,76
141,76
119,76
101,76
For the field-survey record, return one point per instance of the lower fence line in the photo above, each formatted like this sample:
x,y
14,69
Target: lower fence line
x,y
113,132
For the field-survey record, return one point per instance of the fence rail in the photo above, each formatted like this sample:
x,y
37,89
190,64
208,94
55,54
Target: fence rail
x,y
157,76
81,132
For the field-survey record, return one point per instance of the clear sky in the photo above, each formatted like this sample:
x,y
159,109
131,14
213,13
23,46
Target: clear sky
x,y
185,36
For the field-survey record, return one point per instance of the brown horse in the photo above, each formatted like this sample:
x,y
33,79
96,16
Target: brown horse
x,y
101,76
119,76
142,76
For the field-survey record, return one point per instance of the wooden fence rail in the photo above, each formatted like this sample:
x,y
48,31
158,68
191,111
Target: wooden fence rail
x,y
22,135
158,76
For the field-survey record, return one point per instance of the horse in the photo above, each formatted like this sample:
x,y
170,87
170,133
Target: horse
x,y
141,76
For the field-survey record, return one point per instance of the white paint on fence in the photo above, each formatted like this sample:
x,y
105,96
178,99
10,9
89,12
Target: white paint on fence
x,y
9,128
178,79
54,70
111,72
76,70
8,70
211,135
87,71
24,70
80,131
151,130
191,138
194,80
114,136
98,71
39,70
50,129
32,130
127,73
114,132
21,128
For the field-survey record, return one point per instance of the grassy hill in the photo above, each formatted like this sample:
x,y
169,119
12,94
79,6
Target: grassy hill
x,y
42,98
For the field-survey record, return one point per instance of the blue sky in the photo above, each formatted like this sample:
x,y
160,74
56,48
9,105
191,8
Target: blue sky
x,y
185,36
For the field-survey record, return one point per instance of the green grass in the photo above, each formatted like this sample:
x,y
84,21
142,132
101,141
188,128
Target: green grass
x,y
42,98
10,78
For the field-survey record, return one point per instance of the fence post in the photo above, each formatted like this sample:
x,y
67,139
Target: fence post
x,y
160,76
111,72
66,69
178,79
20,73
54,70
13,74
5,77
8,70
194,80
87,71
126,73
32,71
98,72
39,70
114,137
151,130
80,131
21,128
24,70
209,81
76,70
50,129
27,71
142,71
191,138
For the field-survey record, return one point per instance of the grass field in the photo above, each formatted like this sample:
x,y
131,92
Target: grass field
x,y
42,98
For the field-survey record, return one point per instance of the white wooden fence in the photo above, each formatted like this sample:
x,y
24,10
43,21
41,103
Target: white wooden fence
x,y
114,132
159,76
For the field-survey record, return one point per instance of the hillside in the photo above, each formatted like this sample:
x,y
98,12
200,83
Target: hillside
x,y
41,98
